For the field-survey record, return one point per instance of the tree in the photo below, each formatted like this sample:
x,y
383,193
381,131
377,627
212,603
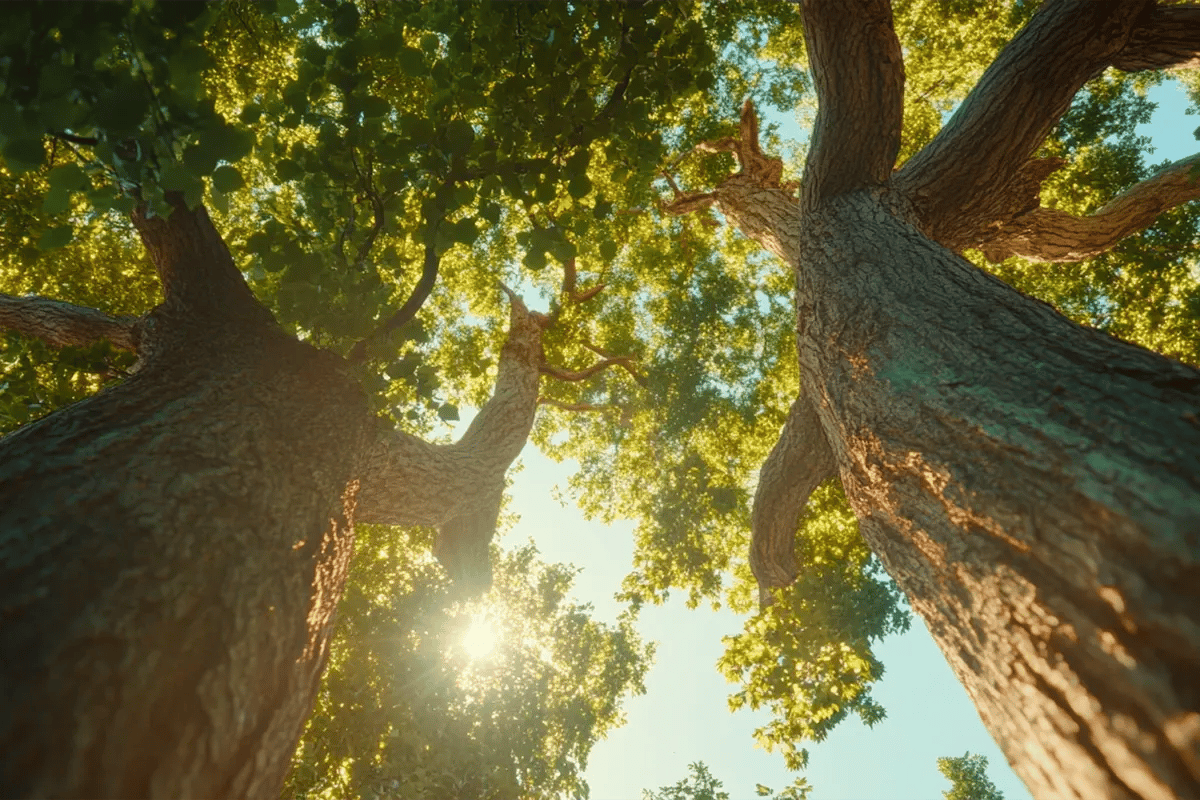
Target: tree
x,y
980,436
968,778
175,545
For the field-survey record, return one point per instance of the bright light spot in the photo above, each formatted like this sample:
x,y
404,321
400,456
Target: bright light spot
x,y
480,638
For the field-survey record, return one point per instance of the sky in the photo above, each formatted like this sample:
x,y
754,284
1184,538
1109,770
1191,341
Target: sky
x,y
683,717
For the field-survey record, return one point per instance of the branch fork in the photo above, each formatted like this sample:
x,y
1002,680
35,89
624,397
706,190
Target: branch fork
x,y
757,169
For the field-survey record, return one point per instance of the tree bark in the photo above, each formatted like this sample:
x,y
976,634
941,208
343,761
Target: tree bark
x,y
172,549
1032,485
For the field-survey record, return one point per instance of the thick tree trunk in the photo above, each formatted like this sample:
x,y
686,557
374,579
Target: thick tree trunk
x,y
172,552
1032,485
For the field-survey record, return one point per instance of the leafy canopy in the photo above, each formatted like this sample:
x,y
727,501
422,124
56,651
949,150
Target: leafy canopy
x,y
526,142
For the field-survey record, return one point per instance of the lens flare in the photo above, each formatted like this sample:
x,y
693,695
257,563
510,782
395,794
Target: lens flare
x,y
480,638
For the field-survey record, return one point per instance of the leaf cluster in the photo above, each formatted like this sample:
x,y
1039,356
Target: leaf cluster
x,y
403,711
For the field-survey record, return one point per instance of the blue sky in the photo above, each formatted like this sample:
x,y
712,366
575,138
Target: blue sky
x,y
684,716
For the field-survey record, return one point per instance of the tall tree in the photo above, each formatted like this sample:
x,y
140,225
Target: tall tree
x,y
1030,484
174,545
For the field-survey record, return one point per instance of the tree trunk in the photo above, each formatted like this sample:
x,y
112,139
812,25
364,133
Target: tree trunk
x,y
173,550
1032,485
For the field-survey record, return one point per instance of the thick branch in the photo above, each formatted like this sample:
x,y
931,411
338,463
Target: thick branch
x,y
1025,91
61,324
799,462
407,481
1045,234
411,306
198,275
1170,39
858,69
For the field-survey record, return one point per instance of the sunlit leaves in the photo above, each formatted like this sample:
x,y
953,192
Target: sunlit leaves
x,y
406,711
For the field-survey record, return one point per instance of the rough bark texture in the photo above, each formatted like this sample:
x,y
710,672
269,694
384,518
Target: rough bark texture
x,y
1047,234
1168,39
173,549
61,324
1032,485
797,465
969,179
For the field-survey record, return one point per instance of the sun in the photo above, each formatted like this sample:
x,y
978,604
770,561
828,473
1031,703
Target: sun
x,y
480,638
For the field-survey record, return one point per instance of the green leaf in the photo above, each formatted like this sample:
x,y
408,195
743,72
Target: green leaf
x,y
55,237
67,177
57,200
410,61
24,154
608,250
313,53
251,114
229,143
177,178
287,170
227,179
535,260
459,136
579,187
491,212
464,231
199,158
345,20
448,412
122,110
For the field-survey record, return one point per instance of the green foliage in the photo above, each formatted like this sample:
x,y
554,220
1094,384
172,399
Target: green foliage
x,y
1147,288
405,711
808,655
701,785
968,778
331,141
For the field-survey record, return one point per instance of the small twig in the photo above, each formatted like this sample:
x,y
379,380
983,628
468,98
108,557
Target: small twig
x,y
90,141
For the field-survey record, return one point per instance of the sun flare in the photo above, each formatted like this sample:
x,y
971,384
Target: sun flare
x,y
480,638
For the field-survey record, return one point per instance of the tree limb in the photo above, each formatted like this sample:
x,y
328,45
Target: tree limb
x,y
1170,39
407,481
798,463
199,279
1046,234
858,70
412,305
62,324
954,182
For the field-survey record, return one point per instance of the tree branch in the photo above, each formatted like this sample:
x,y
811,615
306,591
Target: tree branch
x,y
407,481
1170,39
954,181
199,278
1045,234
798,463
62,324
858,70
412,305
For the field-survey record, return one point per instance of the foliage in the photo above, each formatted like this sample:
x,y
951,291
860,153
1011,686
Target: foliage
x,y
808,655
333,141
1147,288
405,711
967,777
701,785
